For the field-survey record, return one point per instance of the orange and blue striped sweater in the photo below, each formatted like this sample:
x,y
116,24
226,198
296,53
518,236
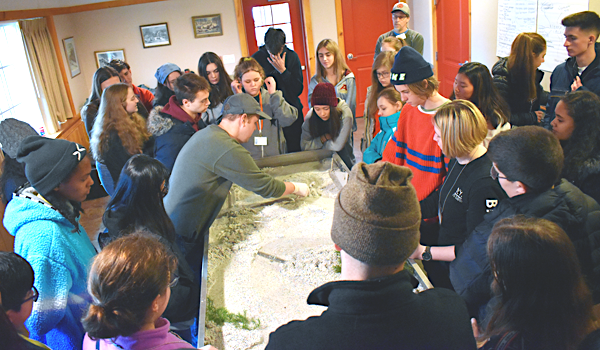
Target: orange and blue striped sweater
x,y
413,146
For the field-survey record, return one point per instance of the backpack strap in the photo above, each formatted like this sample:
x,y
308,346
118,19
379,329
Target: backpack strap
x,y
506,339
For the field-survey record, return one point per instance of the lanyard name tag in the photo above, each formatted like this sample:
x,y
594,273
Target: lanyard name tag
x,y
260,141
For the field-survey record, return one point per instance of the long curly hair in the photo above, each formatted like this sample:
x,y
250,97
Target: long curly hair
x,y
584,108
222,89
485,95
112,116
384,59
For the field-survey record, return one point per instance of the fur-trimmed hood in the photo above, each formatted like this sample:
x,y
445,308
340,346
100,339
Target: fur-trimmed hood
x,y
158,124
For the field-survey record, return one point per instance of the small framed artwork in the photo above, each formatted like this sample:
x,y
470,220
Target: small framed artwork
x,y
155,35
207,25
71,56
104,57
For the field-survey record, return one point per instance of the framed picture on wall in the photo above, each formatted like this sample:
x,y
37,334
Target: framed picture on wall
x,y
207,25
103,57
155,35
71,56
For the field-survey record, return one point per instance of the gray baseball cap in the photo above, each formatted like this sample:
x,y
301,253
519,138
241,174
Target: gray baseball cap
x,y
243,103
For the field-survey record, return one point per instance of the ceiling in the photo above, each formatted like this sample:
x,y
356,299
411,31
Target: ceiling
x,y
13,5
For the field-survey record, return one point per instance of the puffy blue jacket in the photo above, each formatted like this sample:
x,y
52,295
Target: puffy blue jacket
x,y
388,126
60,259
563,76
565,205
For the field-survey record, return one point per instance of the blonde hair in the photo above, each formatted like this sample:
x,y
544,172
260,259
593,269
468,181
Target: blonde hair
x,y
112,116
245,65
396,43
425,88
462,127
339,64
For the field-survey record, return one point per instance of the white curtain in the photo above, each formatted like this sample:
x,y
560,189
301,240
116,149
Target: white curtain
x,y
45,69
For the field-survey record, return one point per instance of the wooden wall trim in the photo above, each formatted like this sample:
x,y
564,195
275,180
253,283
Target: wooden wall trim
x,y
434,30
24,14
59,57
339,20
308,30
239,15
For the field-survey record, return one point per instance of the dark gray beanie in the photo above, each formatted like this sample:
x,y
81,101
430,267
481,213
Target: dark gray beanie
x,y
12,133
48,162
376,216
409,67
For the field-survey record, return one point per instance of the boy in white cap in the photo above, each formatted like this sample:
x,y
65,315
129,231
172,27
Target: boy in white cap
x,y
400,18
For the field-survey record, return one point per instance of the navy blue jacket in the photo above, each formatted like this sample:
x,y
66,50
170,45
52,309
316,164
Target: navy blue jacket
x,y
563,76
576,213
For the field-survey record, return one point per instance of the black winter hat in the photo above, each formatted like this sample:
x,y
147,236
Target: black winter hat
x,y
48,162
409,67
12,133
376,216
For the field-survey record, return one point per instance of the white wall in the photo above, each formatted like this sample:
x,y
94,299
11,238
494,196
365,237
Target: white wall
x,y
422,22
323,19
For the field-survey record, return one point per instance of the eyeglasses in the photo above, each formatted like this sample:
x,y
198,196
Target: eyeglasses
x,y
34,296
174,281
403,16
383,75
495,175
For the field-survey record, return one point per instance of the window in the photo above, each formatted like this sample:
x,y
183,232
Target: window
x,y
18,95
277,16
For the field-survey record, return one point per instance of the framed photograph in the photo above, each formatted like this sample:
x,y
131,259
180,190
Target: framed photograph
x,y
103,57
208,25
71,56
155,35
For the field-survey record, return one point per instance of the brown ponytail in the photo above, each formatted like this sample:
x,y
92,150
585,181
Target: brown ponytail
x,y
521,61
125,278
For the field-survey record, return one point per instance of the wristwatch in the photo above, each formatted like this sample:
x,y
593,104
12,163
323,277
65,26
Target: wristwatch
x,y
426,254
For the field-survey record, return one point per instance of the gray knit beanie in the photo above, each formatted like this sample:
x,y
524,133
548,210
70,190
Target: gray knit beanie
x,y
12,132
376,216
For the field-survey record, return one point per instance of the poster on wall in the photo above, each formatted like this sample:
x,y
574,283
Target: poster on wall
x,y
550,15
71,56
514,17
104,57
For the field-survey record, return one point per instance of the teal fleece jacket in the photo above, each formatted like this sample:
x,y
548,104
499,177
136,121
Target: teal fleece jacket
x,y
60,259
387,126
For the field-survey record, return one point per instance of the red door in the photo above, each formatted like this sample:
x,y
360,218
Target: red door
x,y
453,49
260,15
364,22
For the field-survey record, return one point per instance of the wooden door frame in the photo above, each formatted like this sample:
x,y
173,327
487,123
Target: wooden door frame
x,y
307,30
434,29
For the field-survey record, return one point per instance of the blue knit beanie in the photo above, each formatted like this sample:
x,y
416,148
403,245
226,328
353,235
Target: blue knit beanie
x,y
409,67
163,71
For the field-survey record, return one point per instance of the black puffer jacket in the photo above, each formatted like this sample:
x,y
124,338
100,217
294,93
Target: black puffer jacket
x,y
565,205
586,176
522,110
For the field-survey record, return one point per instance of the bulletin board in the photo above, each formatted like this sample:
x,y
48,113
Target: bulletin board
x,y
541,16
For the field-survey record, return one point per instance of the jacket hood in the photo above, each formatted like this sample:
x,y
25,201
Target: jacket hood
x,y
174,110
21,211
157,124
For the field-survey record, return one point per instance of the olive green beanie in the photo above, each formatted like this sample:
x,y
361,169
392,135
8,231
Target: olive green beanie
x,y
376,216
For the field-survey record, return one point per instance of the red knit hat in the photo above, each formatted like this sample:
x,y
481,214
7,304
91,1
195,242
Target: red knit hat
x,y
324,95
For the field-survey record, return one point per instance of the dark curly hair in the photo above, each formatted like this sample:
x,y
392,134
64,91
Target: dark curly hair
x,y
584,108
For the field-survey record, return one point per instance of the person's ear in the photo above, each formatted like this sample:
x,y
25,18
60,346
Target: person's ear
x,y
154,306
521,188
186,102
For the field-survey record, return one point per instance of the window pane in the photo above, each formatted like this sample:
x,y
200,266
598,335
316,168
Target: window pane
x,y
262,16
287,29
260,35
281,13
290,46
